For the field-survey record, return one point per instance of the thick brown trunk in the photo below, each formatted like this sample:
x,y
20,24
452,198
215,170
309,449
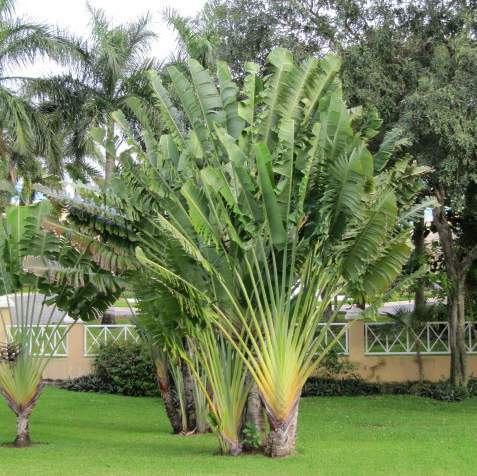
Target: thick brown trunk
x,y
172,411
23,439
458,370
281,440
420,257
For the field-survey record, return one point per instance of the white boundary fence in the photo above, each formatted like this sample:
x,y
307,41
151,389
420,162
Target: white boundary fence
x,y
45,340
380,338
96,335
342,344
430,339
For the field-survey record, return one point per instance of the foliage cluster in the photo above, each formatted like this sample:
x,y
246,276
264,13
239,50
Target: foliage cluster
x,y
443,390
125,369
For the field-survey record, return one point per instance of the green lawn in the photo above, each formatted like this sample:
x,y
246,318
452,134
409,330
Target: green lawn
x,y
91,434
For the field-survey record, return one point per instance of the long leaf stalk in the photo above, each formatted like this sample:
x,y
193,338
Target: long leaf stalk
x,y
226,386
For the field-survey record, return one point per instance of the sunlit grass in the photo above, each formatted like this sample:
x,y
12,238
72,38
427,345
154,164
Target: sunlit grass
x,y
91,434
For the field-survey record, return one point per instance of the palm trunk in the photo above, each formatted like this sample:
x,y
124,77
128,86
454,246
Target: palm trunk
x,y
282,437
255,413
235,448
23,439
110,160
173,414
23,412
189,397
106,318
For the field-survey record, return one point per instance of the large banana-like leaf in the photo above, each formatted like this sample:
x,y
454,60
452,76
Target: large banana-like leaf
x,y
228,93
169,112
270,204
281,62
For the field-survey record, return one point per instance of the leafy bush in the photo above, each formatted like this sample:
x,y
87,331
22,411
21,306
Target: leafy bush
x,y
330,387
443,391
123,368
251,436
335,366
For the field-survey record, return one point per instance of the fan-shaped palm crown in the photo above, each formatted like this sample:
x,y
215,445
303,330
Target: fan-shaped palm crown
x,y
274,205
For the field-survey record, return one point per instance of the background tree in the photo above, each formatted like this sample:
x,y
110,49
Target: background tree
x,y
28,145
110,75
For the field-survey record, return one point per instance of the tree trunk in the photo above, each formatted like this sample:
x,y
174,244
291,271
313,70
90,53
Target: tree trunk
x,y
189,397
282,437
23,439
172,411
235,448
456,270
110,160
420,366
458,370
107,319
255,412
254,416
420,254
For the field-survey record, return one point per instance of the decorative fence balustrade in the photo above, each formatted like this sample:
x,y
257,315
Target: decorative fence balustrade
x,y
431,338
96,335
44,340
333,332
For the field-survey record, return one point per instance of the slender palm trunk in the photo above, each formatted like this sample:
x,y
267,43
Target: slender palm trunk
x,y
282,437
110,160
189,397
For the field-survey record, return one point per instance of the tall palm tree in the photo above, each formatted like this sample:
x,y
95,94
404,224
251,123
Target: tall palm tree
x,y
25,134
110,76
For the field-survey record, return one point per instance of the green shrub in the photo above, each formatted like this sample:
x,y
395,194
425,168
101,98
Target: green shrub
x,y
251,436
329,387
124,368
443,391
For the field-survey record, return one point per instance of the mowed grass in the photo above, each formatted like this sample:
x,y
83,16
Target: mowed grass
x,y
92,434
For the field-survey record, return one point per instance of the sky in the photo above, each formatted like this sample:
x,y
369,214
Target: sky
x,y
73,16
